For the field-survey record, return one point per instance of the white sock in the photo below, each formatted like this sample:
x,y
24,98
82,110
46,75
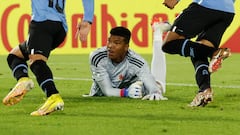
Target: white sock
x,y
158,64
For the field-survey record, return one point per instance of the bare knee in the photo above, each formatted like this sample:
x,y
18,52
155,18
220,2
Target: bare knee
x,y
172,36
206,42
16,51
35,57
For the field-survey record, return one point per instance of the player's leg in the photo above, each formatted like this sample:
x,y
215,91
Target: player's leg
x,y
17,63
40,46
214,35
202,76
187,48
189,24
158,63
45,80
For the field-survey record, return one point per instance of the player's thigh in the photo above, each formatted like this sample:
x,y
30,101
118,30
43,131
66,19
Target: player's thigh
x,y
40,38
215,32
59,37
172,36
193,20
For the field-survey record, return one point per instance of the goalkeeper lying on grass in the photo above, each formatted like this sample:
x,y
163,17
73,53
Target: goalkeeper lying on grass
x,y
120,72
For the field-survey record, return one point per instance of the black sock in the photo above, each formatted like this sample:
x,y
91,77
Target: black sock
x,y
202,74
18,66
44,77
185,47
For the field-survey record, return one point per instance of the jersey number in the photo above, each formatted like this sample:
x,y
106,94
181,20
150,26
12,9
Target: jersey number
x,y
58,8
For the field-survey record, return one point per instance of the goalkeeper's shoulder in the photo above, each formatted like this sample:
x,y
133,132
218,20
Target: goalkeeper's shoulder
x,y
97,55
133,56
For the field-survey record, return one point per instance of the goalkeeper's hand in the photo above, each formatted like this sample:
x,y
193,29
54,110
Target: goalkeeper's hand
x,y
170,3
134,90
155,96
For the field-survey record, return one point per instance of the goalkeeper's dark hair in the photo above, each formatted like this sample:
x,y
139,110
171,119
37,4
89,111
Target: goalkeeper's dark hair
x,y
121,31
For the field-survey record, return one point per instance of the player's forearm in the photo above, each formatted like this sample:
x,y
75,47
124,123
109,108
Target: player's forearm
x,y
112,92
88,6
107,89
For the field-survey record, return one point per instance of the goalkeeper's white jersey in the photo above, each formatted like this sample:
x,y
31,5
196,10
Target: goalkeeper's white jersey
x,y
109,78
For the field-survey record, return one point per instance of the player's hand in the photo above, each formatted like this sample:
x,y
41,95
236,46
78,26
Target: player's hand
x,y
83,28
170,3
154,96
135,90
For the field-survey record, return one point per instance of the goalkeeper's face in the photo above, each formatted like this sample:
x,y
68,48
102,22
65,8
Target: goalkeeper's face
x,y
117,48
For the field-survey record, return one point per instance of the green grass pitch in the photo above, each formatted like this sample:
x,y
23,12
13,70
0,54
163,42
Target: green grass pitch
x,y
123,116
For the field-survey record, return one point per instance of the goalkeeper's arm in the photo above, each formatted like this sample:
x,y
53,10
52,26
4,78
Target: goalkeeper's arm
x,y
134,90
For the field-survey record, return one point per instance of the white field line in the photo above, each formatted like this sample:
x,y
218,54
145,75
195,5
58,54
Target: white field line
x,y
170,84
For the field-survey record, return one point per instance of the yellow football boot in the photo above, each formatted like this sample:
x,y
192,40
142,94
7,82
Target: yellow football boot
x,y
19,91
53,103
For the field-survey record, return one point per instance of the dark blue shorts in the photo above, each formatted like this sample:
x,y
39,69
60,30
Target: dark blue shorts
x,y
43,38
202,22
